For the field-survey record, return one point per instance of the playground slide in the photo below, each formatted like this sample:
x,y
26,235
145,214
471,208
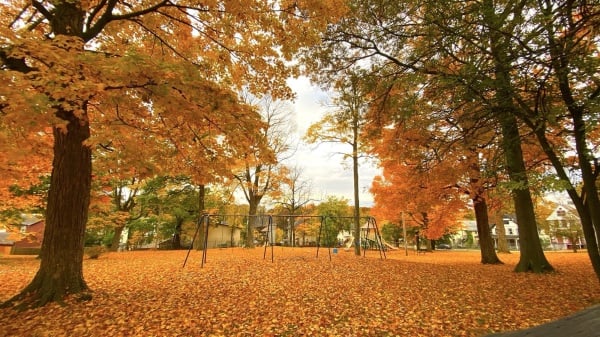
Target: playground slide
x,y
389,246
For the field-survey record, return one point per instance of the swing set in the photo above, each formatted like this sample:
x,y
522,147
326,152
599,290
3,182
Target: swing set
x,y
364,241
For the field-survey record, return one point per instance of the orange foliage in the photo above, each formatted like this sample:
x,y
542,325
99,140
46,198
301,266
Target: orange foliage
x,y
438,294
424,191
158,79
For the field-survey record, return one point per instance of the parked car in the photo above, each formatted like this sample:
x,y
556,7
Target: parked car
x,y
443,246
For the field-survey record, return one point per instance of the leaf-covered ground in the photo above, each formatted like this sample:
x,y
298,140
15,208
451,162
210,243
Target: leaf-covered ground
x,y
238,293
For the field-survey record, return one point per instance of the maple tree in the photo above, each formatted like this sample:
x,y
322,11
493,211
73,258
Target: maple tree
x,y
157,66
421,196
437,149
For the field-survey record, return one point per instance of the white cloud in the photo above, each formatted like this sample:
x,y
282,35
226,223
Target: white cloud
x,y
324,165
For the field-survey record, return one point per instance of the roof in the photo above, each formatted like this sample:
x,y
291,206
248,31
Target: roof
x,y
563,212
30,219
4,239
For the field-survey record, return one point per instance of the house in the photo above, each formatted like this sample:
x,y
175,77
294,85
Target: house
x,y
221,234
27,240
5,243
565,228
511,233
468,236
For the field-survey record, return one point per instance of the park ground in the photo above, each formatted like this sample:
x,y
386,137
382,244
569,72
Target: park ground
x,y
294,292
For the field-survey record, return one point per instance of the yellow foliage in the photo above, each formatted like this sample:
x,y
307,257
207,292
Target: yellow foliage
x,y
153,83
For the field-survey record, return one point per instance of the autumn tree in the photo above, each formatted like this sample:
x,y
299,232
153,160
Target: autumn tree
x,y
261,172
560,102
434,40
421,196
294,195
444,145
157,65
25,175
343,125
114,215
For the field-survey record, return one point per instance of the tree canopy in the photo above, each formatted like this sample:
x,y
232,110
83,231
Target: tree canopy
x,y
163,72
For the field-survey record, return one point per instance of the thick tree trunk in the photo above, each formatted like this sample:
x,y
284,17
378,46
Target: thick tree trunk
x,y
532,256
253,209
61,267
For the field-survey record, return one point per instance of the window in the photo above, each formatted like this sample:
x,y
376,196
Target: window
x,y
510,231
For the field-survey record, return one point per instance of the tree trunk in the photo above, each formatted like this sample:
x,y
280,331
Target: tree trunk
x,y
591,201
253,209
588,230
563,55
583,209
177,234
116,240
356,194
532,256
199,240
501,230
61,267
486,243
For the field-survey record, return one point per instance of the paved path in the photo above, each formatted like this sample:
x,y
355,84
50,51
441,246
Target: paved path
x,y
585,323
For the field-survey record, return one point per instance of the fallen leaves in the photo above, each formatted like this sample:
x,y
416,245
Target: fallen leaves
x,y
238,293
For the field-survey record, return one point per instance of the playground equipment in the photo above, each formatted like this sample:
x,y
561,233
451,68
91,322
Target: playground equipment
x,y
367,240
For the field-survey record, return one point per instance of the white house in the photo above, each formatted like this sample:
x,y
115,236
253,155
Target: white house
x,y
511,233
468,236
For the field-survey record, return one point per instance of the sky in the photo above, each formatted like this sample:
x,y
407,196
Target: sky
x,y
323,165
